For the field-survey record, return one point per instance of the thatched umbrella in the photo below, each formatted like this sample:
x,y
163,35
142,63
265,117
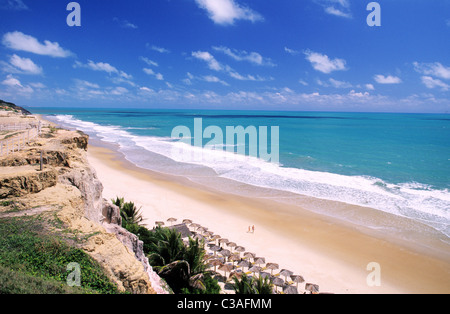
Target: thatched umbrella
x,y
226,268
290,290
171,220
187,221
255,269
286,273
259,260
264,274
243,264
215,237
159,223
297,279
234,257
215,263
215,248
194,225
278,282
249,255
312,288
239,249
231,245
202,229
272,266
225,252
223,240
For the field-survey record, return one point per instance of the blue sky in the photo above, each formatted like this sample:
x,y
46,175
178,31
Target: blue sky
x,y
228,54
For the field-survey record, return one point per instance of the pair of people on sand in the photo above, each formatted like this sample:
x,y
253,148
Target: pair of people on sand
x,y
251,229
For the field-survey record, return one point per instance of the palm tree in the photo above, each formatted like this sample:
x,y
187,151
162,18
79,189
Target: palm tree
x,y
263,285
129,212
183,267
243,286
248,285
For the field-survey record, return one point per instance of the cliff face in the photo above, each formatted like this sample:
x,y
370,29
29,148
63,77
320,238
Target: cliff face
x,y
69,186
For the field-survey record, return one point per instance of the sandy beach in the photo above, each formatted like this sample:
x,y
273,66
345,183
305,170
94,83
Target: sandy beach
x,y
324,251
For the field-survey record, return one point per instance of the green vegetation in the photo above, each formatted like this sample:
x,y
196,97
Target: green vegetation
x,y
182,266
35,260
251,285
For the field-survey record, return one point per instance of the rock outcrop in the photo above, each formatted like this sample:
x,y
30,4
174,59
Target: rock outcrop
x,y
69,185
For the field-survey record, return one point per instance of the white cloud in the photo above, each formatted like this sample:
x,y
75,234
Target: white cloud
x,y
104,67
19,41
214,79
340,84
158,49
381,79
158,76
24,64
11,81
434,69
149,62
370,87
252,57
339,8
125,23
225,12
323,63
16,86
291,51
213,64
430,82
15,5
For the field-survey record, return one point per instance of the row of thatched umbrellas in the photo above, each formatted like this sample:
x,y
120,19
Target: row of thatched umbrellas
x,y
244,261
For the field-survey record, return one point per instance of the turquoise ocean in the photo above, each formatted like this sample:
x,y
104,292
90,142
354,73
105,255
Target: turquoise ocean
x,y
398,164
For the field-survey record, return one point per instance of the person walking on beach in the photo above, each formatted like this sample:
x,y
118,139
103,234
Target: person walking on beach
x,y
253,229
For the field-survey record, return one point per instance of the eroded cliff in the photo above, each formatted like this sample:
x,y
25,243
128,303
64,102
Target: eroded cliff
x,y
69,186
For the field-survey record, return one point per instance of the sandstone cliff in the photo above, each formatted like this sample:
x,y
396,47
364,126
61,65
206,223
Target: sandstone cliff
x,y
68,186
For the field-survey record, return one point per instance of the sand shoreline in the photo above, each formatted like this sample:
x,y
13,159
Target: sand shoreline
x,y
324,252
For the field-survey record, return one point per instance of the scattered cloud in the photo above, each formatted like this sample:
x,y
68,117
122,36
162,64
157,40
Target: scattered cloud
x,y
291,51
213,64
19,41
16,86
430,82
158,76
14,5
381,79
25,65
252,57
125,23
340,84
103,67
370,87
149,62
434,69
225,12
323,63
156,48
339,8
